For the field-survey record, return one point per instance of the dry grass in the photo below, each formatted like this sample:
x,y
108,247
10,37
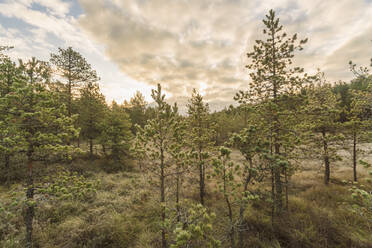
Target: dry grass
x,y
125,212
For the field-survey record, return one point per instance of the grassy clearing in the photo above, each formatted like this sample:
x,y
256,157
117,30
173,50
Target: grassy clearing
x,y
125,213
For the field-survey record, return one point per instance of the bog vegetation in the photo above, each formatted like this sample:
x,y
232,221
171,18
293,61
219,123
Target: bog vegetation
x,y
287,166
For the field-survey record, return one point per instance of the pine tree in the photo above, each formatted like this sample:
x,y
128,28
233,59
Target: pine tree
x,y
115,134
201,136
273,76
155,140
251,144
226,122
225,172
195,228
321,126
137,110
179,155
2,49
36,71
10,140
74,68
355,128
91,106
42,122
359,113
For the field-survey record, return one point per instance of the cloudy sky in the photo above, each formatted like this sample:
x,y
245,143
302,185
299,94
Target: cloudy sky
x,y
184,44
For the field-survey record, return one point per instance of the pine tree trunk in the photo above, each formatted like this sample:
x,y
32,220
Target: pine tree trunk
x,y
7,169
201,165
355,156
201,184
242,221
327,171
272,187
242,225
286,188
30,207
272,198
201,180
277,170
91,148
104,151
162,198
178,194
278,185
69,85
232,230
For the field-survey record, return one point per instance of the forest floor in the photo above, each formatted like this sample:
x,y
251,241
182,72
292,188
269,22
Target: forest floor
x,y
125,211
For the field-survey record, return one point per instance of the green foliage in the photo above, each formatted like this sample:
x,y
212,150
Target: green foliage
x,y
91,106
228,121
225,171
195,229
233,182
274,92
356,128
249,142
67,186
179,155
75,70
36,115
155,138
54,190
154,142
321,129
115,132
73,66
200,125
36,71
136,109
321,108
362,201
9,74
201,136
271,67
4,48
257,155
38,122
281,118
11,141
179,140
361,198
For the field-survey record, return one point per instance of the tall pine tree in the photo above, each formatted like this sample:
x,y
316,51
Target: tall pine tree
x,y
10,140
321,127
91,106
42,122
201,137
75,70
273,76
154,139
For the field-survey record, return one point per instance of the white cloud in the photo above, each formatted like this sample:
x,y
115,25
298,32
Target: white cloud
x,y
64,28
53,27
57,7
188,43
183,44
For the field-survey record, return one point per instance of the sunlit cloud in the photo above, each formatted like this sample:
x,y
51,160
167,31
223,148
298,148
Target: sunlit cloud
x,y
185,44
38,27
202,43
